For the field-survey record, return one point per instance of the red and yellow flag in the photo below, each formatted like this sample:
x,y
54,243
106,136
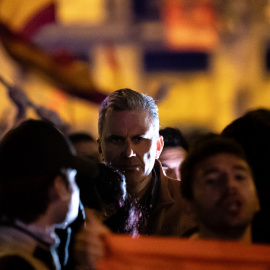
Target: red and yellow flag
x,y
26,17
20,20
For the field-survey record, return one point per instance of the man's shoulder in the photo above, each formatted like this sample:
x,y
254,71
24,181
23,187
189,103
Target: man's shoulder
x,y
14,262
17,248
163,176
172,183
171,189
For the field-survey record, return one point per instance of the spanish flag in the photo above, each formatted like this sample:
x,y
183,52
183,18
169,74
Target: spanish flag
x,y
20,20
27,17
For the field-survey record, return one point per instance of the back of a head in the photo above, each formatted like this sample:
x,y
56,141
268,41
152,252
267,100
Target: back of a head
x,y
127,100
173,137
249,130
31,155
201,150
85,145
252,132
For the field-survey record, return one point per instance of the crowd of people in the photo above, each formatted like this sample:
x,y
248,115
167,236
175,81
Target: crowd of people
x,y
60,194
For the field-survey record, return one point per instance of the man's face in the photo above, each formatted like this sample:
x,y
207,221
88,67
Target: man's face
x,y
130,143
171,159
224,195
87,149
72,197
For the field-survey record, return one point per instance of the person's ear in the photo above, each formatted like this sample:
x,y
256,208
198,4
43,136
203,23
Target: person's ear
x,y
59,189
99,145
160,144
100,149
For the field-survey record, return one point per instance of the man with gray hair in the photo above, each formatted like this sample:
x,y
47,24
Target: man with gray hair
x,y
129,141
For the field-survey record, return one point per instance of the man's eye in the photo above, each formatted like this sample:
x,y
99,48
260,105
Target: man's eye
x,y
240,177
116,139
138,139
210,181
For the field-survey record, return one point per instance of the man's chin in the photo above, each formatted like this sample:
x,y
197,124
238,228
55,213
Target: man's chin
x,y
233,227
129,169
132,176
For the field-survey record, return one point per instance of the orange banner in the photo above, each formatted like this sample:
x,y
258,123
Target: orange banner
x,y
162,253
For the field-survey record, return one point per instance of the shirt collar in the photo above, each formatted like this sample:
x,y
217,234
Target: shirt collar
x,y
47,235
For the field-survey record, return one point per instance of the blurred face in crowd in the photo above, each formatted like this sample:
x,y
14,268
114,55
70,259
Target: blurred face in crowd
x,y
171,159
87,149
224,195
131,143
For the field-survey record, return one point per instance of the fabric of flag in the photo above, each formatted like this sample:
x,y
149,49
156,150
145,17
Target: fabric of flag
x,y
20,20
26,17
163,253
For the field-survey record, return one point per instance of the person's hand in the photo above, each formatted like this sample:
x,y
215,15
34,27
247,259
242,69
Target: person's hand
x,y
89,245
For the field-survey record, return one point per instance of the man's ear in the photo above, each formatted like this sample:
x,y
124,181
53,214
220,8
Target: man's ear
x,y
99,145
59,189
100,149
160,144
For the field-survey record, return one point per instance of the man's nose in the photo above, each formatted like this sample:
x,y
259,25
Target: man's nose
x,y
230,182
129,149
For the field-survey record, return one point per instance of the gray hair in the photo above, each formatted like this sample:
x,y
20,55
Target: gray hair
x,y
128,100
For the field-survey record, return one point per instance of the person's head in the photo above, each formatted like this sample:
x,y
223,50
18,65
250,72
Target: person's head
x,y
174,151
37,171
252,132
129,134
84,144
218,186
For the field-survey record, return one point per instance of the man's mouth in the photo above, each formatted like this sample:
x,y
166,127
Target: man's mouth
x,y
232,206
127,168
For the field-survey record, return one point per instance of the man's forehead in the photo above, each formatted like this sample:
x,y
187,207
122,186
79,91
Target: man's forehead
x,y
177,152
137,120
222,160
111,113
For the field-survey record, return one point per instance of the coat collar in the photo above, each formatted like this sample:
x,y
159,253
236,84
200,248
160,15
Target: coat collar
x,y
164,197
